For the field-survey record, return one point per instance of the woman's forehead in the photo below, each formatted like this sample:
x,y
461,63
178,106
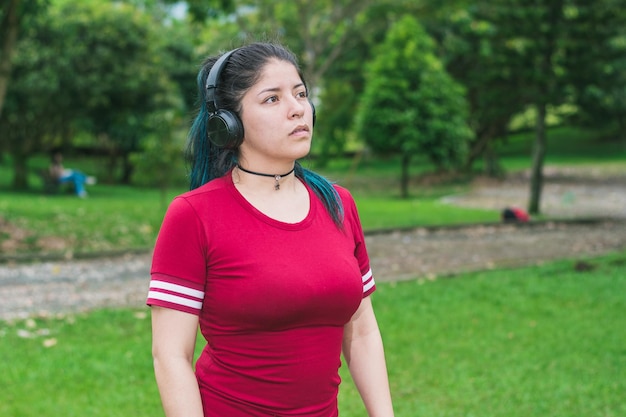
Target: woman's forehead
x,y
278,72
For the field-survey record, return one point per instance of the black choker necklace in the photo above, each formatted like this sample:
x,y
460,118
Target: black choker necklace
x,y
276,177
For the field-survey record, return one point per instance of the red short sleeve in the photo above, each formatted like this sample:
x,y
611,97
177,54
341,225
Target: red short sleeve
x,y
179,265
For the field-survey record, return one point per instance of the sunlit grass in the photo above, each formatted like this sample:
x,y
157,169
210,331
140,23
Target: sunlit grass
x,y
111,218
115,218
380,213
538,341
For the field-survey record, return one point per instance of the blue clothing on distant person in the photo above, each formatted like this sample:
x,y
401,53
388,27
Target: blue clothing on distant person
x,y
63,175
75,177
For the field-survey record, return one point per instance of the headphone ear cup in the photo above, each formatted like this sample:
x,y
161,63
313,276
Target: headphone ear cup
x,y
313,109
225,129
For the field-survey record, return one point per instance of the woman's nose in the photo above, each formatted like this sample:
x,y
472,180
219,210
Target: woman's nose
x,y
297,108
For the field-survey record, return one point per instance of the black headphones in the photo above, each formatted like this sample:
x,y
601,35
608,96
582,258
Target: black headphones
x,y
224,127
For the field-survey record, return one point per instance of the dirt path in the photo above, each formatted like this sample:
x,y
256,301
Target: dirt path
x,y
60,287
428,253
424,253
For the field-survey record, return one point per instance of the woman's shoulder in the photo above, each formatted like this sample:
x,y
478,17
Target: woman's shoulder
x,y
205,194
344,194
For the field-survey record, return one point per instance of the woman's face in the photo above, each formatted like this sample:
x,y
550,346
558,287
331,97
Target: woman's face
x,y
277,118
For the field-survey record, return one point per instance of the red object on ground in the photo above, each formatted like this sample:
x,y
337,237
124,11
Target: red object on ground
x,y
514,214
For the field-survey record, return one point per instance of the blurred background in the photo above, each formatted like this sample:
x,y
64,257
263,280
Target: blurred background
x,y
433,114
440,85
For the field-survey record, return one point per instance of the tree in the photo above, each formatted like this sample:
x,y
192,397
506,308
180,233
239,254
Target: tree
x,y
8,38
318,31
199,10
343,82
161,153
322,33
512,55
411,104
91,67
595,58
479,58
534,32
531,40
24,124
546,19
14,14
117,75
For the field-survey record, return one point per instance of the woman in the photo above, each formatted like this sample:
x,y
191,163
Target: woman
x,y
266,257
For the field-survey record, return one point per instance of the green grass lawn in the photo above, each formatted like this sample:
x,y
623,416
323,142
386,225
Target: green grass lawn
x,y
112,218
116,218
565,146
538,341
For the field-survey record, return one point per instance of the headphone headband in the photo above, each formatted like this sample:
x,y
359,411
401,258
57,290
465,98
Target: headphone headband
x,y
212,79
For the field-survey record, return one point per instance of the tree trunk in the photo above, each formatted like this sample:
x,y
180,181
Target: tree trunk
x,y
8,35
476,150
539,152
621,122
483,146
20,171
404,179
492,166
127,169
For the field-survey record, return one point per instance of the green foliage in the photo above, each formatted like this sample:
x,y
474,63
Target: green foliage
x,y
318,31
117,74
88,66
160,161
595,57
103,70
328,37
410,104
339,99
479,57
15,16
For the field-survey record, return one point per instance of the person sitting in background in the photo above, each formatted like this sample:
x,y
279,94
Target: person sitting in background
x,y
64,175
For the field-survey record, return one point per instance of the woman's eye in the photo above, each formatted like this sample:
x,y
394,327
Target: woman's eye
x,y
272,99
302,94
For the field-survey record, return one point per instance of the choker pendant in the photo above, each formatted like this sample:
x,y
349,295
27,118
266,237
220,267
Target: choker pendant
x,y
277,177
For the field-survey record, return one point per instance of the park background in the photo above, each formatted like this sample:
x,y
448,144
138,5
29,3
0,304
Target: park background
x,y
416,100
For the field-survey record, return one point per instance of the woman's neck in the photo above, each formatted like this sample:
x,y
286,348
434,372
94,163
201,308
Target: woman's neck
x,y
261,177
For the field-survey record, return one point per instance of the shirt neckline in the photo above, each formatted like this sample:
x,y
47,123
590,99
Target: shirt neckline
x,y
302,224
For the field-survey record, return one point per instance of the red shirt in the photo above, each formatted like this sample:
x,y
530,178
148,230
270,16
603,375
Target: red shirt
x,y
272,298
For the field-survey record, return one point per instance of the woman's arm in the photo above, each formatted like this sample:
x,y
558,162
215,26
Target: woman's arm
x,y
365,357
173,343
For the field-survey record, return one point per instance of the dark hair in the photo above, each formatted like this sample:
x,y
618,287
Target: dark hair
x,y
242,71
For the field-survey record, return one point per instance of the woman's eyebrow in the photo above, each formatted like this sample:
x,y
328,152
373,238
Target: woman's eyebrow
x,y
276,89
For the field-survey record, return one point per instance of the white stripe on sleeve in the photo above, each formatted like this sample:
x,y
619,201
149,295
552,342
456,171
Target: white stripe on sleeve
x,y
368,281
175,299
176,288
